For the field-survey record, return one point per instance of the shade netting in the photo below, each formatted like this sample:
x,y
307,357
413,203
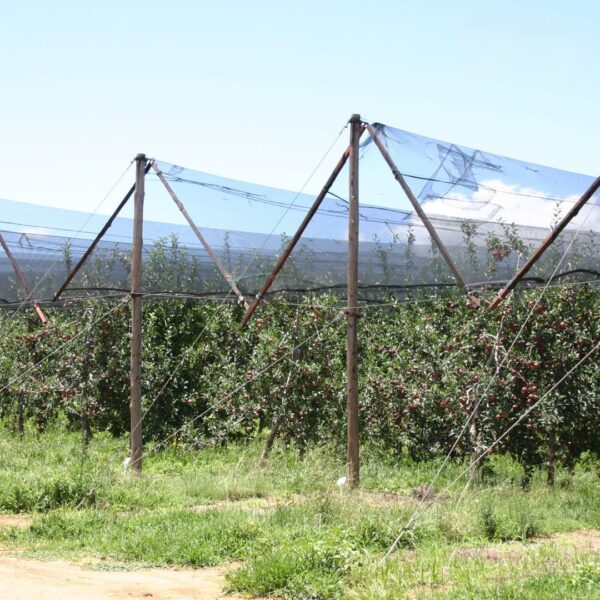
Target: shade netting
x,y
490,211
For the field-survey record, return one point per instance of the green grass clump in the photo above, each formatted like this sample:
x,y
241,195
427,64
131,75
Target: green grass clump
x,y
295,533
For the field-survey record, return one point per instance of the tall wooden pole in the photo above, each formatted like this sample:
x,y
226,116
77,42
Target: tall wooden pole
x,y
352,311
135,406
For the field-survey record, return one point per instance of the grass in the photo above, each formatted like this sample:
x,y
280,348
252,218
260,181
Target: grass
x,y
295,534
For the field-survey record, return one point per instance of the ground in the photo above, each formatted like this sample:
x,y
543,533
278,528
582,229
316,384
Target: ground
x,y
23,579
203,524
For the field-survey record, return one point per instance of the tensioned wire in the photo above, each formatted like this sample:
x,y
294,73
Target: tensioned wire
x,y
412,520
65,344
216,406
217,297
184,356
237,277
266,369
487,451
53,264
32,368
366,303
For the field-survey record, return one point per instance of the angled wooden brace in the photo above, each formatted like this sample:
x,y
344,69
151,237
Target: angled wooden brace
x,y
97,239
217,262
415,203
23,280
292,243
546,243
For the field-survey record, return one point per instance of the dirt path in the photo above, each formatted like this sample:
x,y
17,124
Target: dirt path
x,y
24,579
14,520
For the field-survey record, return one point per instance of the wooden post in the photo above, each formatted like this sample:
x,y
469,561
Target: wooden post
x,y
135,406
352,310
21,415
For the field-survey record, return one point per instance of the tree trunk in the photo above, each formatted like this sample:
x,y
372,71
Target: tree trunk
x,y
474,465
20,416
527,477
550,477
85,427
271,439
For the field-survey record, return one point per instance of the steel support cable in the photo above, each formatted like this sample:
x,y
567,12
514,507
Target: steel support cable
x,y
497,371
218,296
254,258
489,384
64,344
510,348
364,303
216,406
257,375
485,453
52,265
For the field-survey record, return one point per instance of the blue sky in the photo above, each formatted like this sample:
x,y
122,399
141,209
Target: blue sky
x,y
258,90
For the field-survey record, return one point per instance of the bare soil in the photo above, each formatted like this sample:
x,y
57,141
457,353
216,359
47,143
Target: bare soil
x,y
14,520
24,579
